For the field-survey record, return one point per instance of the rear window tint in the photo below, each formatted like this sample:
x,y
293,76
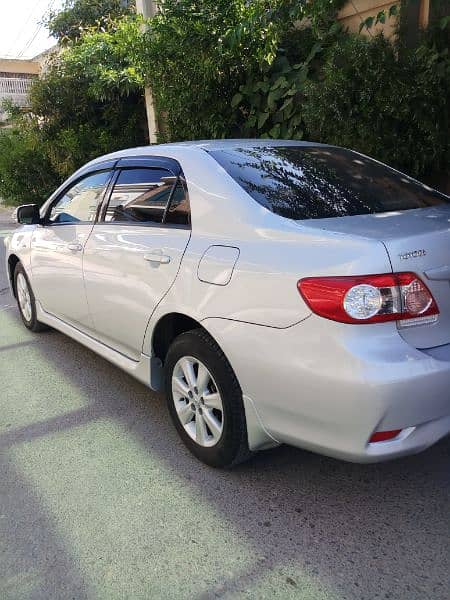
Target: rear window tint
x,y
315,182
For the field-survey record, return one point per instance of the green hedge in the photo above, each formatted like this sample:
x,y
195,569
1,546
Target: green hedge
x,y
230,68
388,104
240,73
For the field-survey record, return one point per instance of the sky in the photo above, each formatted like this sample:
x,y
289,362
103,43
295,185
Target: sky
x,y
21,34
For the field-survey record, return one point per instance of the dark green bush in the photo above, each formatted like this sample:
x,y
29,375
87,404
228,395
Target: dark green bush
x,y
26,172
229,68
326,84
198,53
390,104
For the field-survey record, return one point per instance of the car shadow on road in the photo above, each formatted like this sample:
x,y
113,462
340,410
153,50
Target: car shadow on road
x,y
364,531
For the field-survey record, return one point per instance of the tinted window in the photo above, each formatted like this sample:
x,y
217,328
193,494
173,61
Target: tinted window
x,y
140,195
79,203
178,211
312,182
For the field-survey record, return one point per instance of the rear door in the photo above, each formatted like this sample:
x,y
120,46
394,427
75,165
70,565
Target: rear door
x,y
134,252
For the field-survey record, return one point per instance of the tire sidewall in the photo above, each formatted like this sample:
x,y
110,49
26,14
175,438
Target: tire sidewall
x,y
32,323
192,344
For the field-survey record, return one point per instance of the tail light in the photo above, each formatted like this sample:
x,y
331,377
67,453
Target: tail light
x,y
369,298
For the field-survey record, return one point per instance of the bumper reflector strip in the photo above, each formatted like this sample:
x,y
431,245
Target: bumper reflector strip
x,y
383,436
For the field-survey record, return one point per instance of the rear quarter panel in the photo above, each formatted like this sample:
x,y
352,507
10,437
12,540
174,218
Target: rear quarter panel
x,y
263,287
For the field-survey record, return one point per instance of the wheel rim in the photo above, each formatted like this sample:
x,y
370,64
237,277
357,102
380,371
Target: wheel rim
x,y
198,402
23,296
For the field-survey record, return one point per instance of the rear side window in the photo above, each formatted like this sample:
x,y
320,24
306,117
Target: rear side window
x,y
140,196
178,211
314,182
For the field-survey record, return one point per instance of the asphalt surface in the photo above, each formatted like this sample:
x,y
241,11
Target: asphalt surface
x,y
100,500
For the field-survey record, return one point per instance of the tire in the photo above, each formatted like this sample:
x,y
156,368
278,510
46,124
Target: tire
x,y
27,309
225,444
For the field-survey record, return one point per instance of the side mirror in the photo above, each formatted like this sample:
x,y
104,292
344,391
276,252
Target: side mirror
x,y
28,214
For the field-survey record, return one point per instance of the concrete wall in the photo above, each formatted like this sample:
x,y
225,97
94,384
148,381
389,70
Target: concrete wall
x,y
357,11
10,65
15,80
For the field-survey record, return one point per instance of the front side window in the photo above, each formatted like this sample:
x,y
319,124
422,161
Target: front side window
x,y
140,196
315,182
79,203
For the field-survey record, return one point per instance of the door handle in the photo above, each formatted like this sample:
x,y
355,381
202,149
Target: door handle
x,y
75,247
163,259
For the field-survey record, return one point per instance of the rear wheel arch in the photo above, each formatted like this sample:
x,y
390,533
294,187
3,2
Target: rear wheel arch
x,y
167,329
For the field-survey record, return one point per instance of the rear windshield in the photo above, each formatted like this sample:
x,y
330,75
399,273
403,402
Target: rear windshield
x,y
315,182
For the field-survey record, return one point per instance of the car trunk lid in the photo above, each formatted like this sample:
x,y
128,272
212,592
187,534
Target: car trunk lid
x,y
415,240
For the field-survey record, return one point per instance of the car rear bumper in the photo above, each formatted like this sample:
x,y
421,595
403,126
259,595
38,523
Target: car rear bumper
x,y
328,386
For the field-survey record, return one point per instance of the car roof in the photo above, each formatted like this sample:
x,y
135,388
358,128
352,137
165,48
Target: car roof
x,y
176,149
238,143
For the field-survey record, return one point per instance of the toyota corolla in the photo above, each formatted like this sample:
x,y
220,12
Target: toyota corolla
x,y
277,291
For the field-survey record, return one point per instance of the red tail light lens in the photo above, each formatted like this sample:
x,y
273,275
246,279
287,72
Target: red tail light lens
x,y
369,298
384,436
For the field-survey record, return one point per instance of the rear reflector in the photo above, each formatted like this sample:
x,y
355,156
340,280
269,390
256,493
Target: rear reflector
x,y
383,436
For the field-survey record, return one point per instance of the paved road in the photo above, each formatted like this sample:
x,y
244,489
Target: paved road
x,y
99,499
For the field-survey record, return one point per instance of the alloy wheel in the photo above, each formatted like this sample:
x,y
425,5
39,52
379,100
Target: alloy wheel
x,y
198,402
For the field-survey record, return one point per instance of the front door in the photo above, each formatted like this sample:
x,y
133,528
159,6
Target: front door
x,y
57,250
134,252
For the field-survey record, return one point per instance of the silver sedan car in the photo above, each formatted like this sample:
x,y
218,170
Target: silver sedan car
x,y
277,291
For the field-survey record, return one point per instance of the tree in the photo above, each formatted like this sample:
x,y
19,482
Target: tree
x,y
90,99
88,102
68,24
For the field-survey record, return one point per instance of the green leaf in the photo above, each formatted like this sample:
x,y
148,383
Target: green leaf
x,y
367,23
275,131
381,17
262,119
444,22
271,99
281,79
286,103
236,99
335,28
314,50
393,11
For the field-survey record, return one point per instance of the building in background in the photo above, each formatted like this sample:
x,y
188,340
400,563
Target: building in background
x,y
16,77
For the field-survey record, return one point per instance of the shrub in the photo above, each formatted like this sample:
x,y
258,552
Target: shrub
x,y
199,53
387,103
26,172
